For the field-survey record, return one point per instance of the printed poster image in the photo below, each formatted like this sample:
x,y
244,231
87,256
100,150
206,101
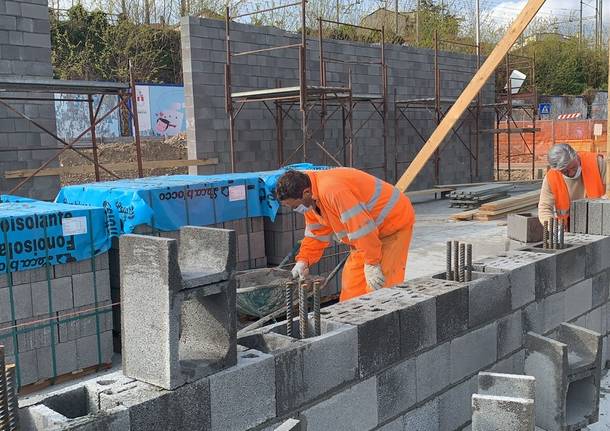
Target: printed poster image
x,y
72,118
162,113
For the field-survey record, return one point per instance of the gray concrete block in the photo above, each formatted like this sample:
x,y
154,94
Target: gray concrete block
x,y
507,385
243,396
455,405
521,270
597,250
424,418
554,310
28,369
571,266
86,285
600,285
61,295
396,390
473,351
489,298
36,332
22,298
595,217
578,299
87,350
396,425
65,359
502,413
510,334
524,228
433,370
338,412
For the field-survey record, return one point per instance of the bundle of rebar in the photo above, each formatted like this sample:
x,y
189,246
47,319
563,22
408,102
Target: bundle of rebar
x,y
553,236
303,292
459,268
473,197
9,408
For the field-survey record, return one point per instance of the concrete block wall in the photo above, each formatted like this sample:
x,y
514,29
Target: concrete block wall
x,y
378,364
25,52
69,327
410,72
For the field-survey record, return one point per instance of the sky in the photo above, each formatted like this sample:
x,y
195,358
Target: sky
x,y
502,9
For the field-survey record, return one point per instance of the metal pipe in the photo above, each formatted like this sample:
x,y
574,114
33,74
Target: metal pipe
x,y
265,10
456,260
316,308
136,121
92,118
303,310
462,262
449,272
289,307
273,48
545,234
469,262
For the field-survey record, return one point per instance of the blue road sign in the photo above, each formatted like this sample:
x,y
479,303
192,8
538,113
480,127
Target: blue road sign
x,y
544,108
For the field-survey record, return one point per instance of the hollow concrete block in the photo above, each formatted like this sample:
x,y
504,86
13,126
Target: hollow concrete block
x,y
524,228
396,390
502,413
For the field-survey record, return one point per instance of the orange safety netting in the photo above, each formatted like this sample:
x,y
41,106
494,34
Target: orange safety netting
x,y
580,134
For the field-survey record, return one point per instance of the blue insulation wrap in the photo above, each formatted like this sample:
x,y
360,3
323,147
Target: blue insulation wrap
x,y
167,203
72,233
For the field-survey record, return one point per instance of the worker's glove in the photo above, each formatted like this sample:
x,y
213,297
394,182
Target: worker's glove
x,y
374,276
300,270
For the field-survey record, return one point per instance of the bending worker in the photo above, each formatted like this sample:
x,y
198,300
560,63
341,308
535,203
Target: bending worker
x,y
373,217
572,176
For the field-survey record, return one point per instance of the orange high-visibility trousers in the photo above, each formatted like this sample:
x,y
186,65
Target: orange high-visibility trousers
x,y
394,253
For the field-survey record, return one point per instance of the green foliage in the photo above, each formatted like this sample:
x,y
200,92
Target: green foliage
x,y
435,19
563,66
87,45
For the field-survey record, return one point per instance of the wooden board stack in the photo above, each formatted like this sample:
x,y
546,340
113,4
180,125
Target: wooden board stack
x,y
499,209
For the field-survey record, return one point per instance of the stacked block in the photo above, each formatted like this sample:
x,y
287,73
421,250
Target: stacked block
x,y
69,327
25,53
524,228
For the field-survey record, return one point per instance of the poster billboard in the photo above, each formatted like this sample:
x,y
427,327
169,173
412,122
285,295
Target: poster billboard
x,y
161,110
72,117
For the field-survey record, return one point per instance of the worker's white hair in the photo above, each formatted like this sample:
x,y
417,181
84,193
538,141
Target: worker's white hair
x,y
561,155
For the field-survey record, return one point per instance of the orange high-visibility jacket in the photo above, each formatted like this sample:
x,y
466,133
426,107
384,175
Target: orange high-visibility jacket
x,y
357,208
592,179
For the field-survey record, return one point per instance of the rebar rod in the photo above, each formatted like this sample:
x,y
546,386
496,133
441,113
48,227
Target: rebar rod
x,y
456,260
556,233
562,229
462,261
12,395
289,307
552,234
545,235
449,272
303,310
4,402
316,308
469,262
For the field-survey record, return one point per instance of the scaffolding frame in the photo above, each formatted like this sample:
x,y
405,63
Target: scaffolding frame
x,y
36,89
507,104
322,99
437,107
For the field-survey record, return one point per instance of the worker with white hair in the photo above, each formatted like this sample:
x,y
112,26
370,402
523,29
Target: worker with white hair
x,y
573,175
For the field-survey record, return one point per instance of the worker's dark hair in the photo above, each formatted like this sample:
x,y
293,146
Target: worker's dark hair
x,y
291,185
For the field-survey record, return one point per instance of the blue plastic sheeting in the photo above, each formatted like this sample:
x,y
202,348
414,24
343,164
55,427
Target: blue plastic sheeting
x,y
166,203
33,233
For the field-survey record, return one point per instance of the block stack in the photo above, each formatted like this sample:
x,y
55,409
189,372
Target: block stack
x,y
47,338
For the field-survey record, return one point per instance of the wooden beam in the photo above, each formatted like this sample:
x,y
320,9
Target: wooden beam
x,y
115,167
470,92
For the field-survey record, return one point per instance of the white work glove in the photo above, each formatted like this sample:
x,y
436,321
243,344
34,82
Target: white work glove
x,y
374,276
300,270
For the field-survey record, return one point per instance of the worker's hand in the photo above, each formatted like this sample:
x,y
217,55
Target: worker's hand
x,y
300,270
374,276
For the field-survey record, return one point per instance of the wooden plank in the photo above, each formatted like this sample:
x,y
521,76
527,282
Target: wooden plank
x,y
464,215
158,164
513,200
470,92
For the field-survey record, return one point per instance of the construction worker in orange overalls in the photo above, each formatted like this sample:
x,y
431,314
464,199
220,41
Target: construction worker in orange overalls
x,y
373,217
573,175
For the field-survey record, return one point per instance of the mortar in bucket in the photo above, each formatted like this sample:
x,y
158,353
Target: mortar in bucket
x,y
261,291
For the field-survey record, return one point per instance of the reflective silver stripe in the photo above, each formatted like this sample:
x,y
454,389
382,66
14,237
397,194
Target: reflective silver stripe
x,y
352,212
340,235
388,207
371,203
364,230
313,226
323,238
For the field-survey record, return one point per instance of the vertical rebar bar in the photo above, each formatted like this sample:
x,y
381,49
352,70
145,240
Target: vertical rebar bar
x,y
289,307
449,272
545,235
316,308
468,262
13,401
303,310
4,406
556,233
462,262
456,260
562,228
552,234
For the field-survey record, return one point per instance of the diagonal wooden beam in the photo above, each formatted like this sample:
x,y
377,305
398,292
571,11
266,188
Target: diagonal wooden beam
x,y
470,92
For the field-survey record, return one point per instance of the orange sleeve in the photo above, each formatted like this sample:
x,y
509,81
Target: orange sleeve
x,y
317,238
360,227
